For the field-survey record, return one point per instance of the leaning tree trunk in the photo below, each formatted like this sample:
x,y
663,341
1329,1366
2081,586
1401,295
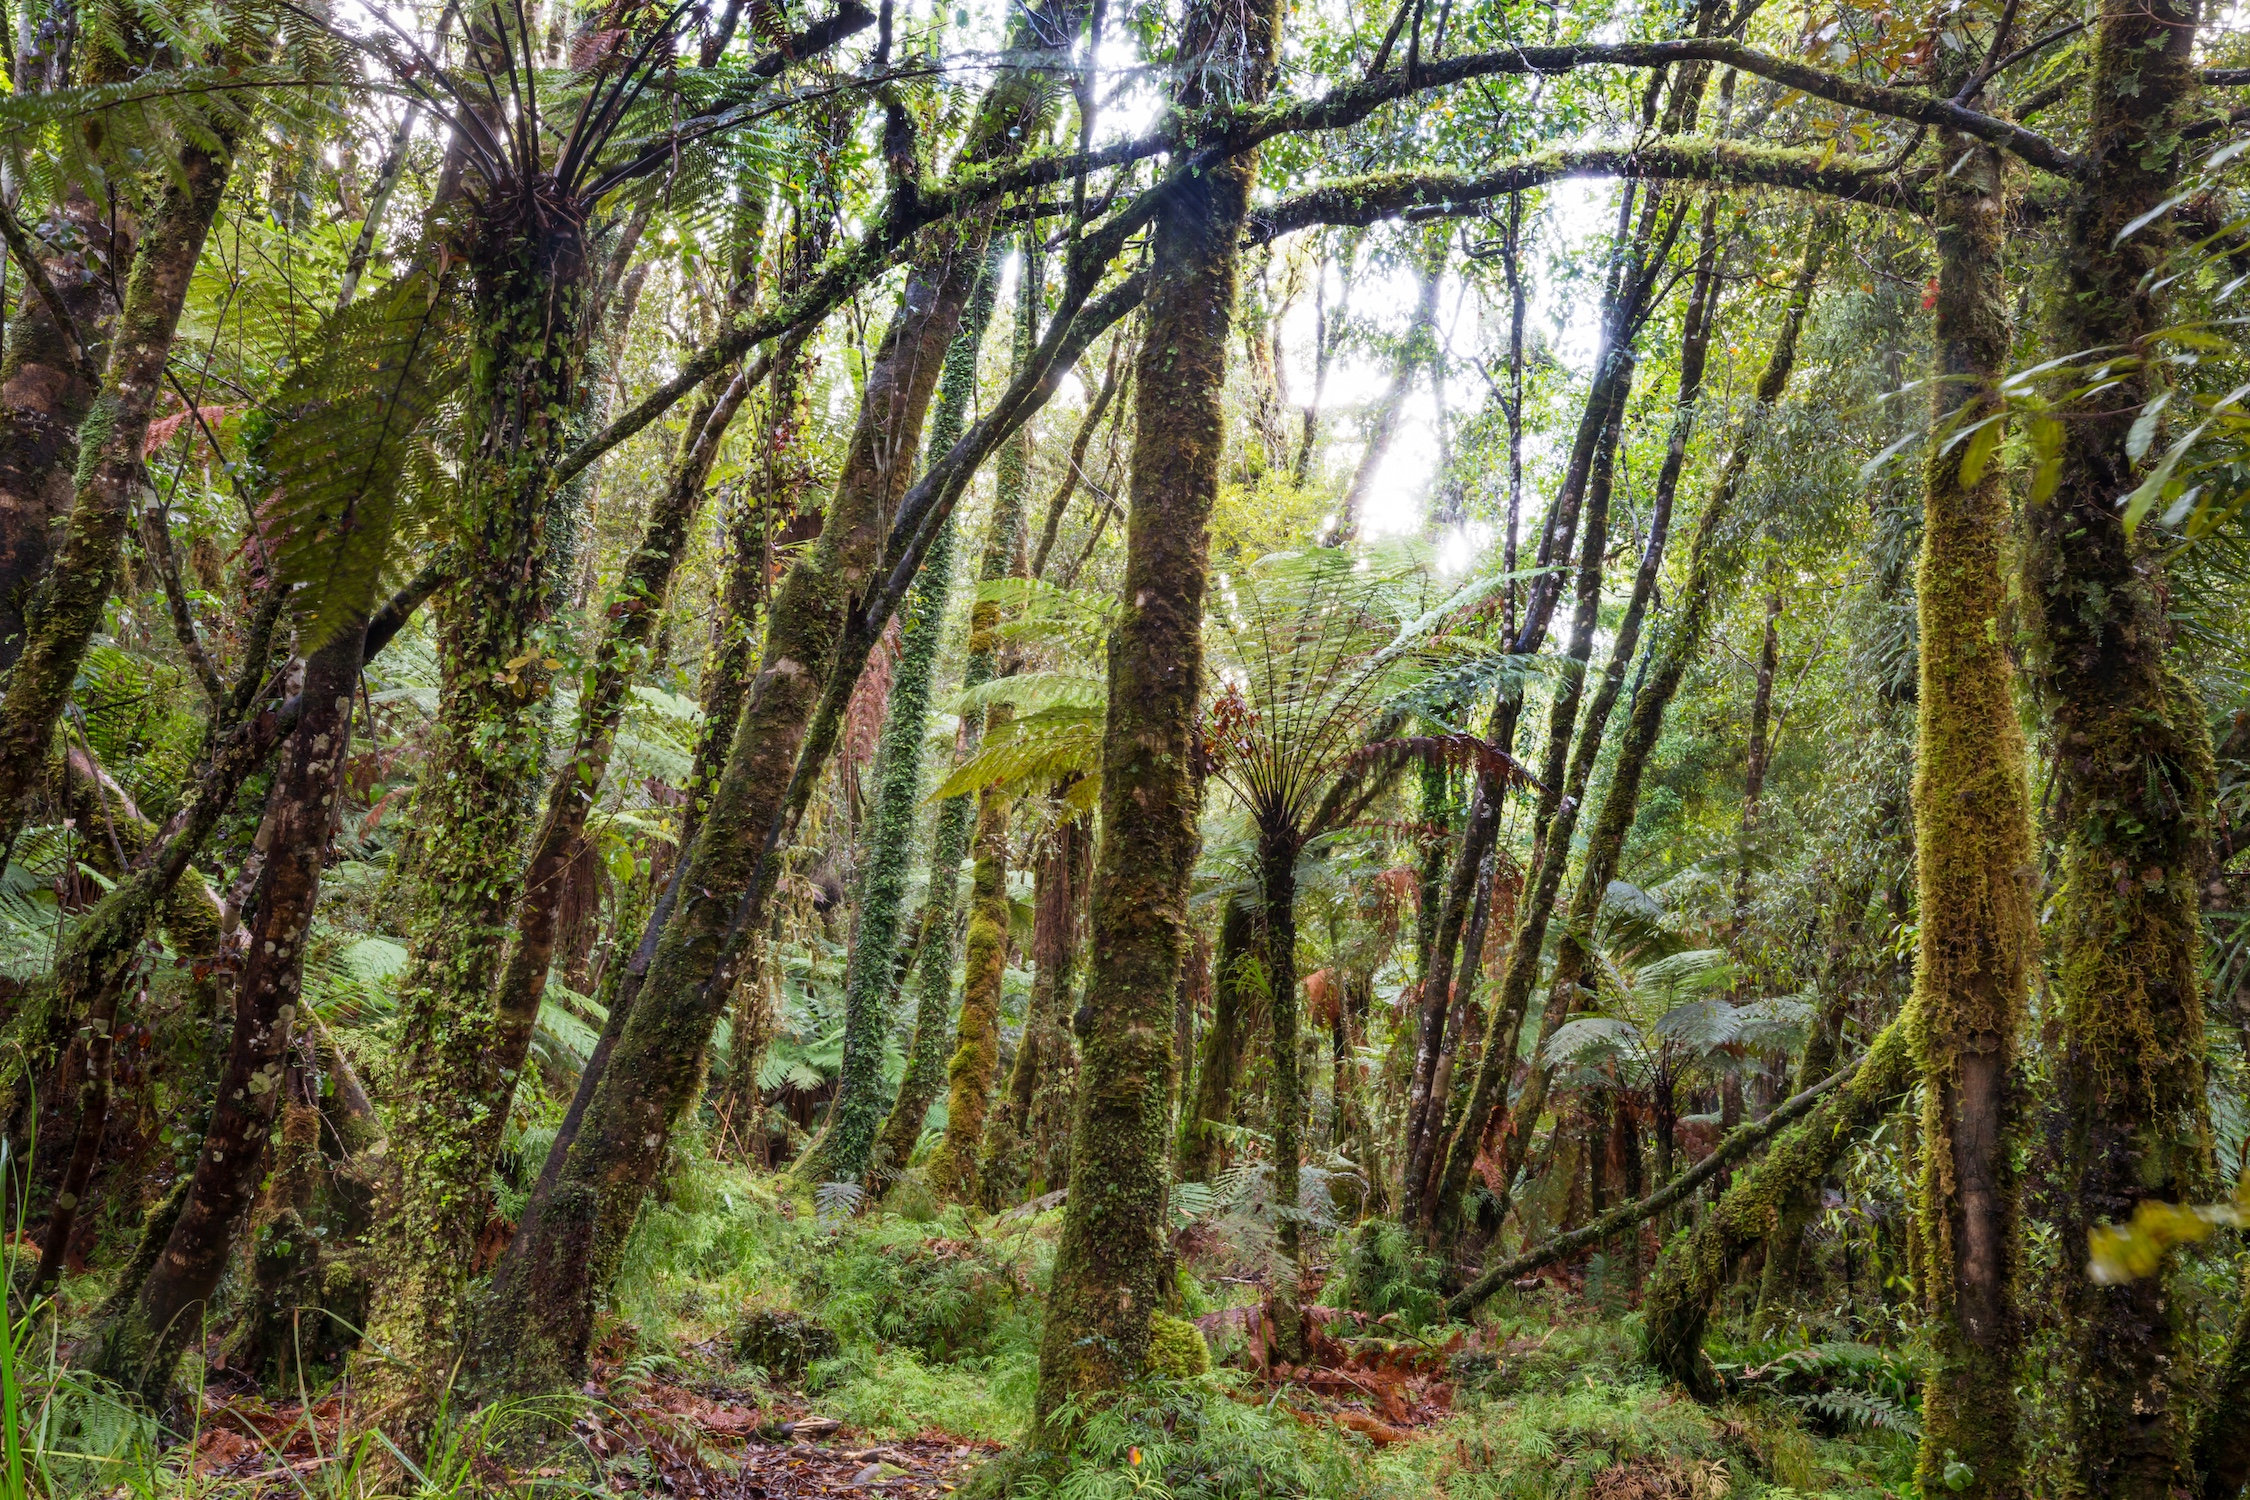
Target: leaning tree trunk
x,y
454,1081
1553,821
1975,867
139,1343
68,607
1695,1270
1110,1262
2133,781
848,1153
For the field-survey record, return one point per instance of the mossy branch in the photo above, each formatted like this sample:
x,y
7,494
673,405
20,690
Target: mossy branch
x,y
1739,1143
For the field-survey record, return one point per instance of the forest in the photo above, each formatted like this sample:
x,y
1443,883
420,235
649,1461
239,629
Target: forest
x,y
1190,749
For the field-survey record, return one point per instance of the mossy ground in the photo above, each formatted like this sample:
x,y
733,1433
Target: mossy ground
x,y
937,1323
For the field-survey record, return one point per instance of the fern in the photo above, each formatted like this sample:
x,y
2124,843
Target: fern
x,y
345,461
1846,1408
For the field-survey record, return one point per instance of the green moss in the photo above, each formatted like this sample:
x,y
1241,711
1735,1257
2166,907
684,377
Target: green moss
x,y
1176,1349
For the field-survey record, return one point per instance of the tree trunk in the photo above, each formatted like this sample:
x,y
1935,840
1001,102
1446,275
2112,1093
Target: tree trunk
x,y
529,315
2222,1444
1010,1158
44,399
1553,823
1110,1262
975,1062
139,1344
1644,725
847,1154
1696,1269
2133,778
1277,881
567,1250
560,838
1975,867
1218,1065
68,607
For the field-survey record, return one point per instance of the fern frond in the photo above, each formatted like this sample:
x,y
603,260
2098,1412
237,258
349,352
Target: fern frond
x,y
343,457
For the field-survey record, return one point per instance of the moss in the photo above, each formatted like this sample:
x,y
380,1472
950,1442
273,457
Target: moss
x,y
849,1148
1176,1348
1975,867
1698,1264
1110,1265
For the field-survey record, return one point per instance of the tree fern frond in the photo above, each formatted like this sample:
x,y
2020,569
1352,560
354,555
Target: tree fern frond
x,y
343,451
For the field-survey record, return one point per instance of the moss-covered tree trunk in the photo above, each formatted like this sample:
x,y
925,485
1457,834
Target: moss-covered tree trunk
x,y
926,1052
545,1297
848,1152
1109,1264
634,609
1278,845
1974,867
138,1344
1696,1268
975,1063
1218,1064
67,608
454,1079
2133,777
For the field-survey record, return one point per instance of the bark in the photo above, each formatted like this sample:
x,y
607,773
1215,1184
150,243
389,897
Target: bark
x,y
1554,821
1696,1269
1604,400
2132,782
976,1055
933,1016
1075,469
1737,1145
1975,867
1014,1157
140,1344
68,607
1778,1283
567,1253
559,841
848,1152
1706,575
45,396
1110,1262
1630,283
531,315
1277,880
1218,1066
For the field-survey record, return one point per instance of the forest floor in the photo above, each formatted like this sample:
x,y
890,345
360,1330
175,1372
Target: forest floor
x,y
762,1351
